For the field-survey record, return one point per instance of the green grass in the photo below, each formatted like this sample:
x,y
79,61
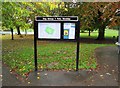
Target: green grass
x,y
23,30
108,34
18,54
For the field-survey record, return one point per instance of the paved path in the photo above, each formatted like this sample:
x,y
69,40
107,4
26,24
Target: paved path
x,y
10,79
105,75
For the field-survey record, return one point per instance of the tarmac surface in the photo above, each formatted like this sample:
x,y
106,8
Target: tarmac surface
x,y
105,75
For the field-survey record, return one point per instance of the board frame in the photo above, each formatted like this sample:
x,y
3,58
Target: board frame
x,y
77,37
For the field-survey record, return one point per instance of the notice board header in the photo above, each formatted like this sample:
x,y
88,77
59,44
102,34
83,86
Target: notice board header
x,y
57,18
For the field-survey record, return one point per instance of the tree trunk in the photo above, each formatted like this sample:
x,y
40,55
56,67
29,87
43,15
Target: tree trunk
x,y
89,32
101,34
18,30
12,33
25,32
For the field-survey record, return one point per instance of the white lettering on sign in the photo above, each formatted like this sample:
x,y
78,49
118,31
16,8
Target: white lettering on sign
x,y
50,18
44,19
66,18
57,18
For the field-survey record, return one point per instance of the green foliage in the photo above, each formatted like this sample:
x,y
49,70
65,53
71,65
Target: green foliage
x,y
7,17
92,16
22,14
0,12
13,15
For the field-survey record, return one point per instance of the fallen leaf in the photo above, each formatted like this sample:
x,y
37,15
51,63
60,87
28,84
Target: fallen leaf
x,y
28,82
45,73
38,73
108,74
113,70
67,70
101,75
41,66
38,77
0,75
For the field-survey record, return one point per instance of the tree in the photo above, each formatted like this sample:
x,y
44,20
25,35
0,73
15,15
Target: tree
x,y
11,16
93,16
22,16
97,16
7,19
105,17
115,23
14,16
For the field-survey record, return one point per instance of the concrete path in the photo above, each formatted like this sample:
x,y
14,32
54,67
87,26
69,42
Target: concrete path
x,y
10,79
105,75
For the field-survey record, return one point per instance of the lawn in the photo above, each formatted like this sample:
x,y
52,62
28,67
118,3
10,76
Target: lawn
x,y
18,54
109,33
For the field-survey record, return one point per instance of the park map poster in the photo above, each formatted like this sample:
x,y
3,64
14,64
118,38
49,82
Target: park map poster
x,y
49,30
53,30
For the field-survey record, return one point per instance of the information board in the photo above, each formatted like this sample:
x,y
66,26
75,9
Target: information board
x,y
49,30
61,28
69,30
